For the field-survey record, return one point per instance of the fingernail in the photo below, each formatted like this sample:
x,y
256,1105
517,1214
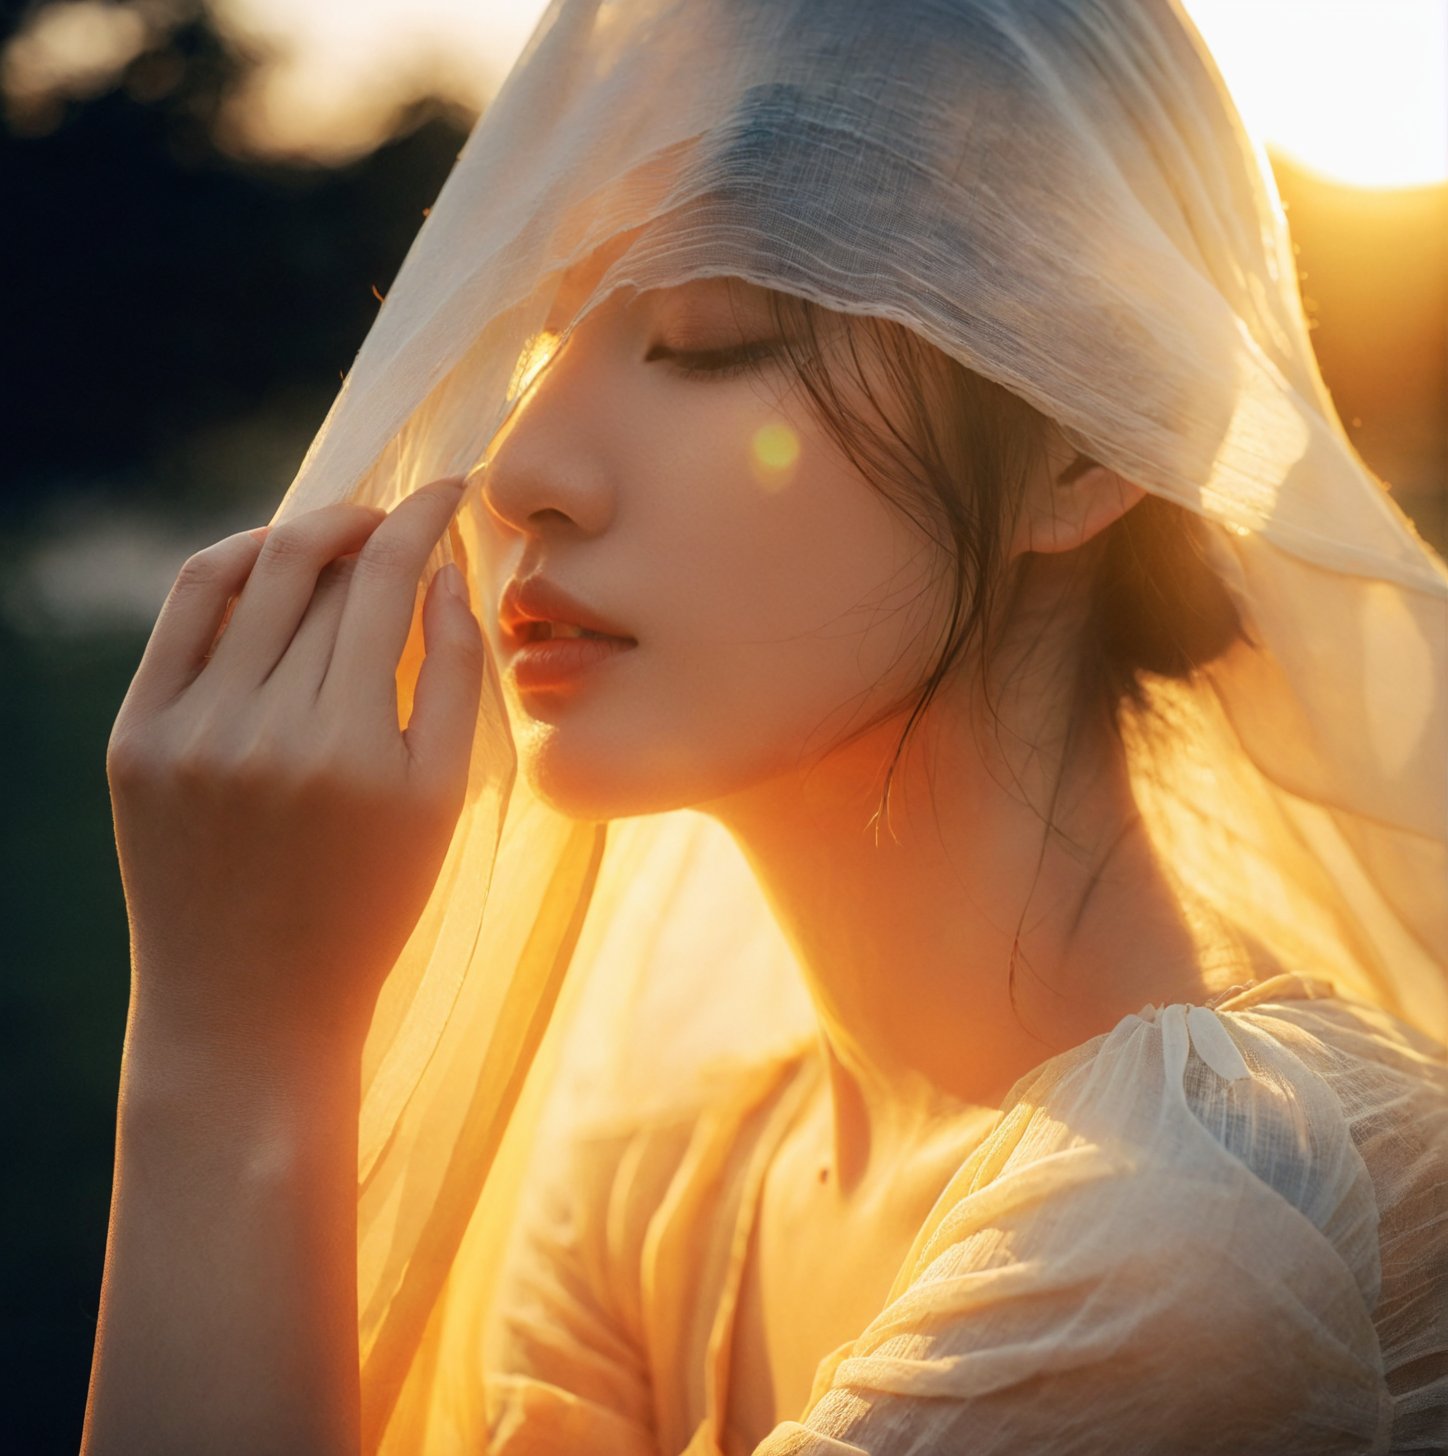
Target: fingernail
x,y
258,532
452,580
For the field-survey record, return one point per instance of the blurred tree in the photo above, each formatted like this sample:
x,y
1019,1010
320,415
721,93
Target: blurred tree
x,y
160,286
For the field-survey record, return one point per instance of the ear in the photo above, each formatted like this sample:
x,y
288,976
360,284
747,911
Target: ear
x,y
1065,508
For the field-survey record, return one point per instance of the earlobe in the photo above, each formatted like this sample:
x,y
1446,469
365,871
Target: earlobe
x,y
1078,503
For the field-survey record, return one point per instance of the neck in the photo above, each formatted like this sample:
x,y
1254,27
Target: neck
x,y
907,928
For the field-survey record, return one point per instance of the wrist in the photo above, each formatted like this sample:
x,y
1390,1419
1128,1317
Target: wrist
x,y
282,1090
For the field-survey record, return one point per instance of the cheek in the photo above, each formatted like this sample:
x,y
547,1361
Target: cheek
x,y
818,589
779,616
827,605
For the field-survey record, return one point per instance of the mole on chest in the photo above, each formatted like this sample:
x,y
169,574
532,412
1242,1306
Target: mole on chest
x,y
818,1269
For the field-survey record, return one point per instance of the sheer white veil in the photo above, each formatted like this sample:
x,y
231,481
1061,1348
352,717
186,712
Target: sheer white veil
x,y
1056,193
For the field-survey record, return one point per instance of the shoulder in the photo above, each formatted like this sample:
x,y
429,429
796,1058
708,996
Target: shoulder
x,y
1330,1091
1337,1108
1289,1100
1206,1230
1343,1115
1194,1108
1294,1083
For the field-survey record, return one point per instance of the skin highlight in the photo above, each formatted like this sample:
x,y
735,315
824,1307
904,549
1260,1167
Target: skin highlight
x,y
773,622
782,626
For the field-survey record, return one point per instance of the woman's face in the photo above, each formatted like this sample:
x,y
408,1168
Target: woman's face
x,y
777,601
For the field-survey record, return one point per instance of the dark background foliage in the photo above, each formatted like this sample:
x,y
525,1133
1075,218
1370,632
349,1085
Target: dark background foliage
x,y
176,319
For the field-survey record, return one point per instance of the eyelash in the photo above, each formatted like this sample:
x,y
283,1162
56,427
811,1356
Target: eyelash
x,y
736,361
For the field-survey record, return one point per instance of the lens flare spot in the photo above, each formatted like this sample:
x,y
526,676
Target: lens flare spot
x,y
774,452
536,353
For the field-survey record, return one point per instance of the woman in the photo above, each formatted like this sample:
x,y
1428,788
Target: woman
x,y
1032,1040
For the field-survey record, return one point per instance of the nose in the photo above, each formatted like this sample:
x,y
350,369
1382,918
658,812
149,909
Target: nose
x,y
548,469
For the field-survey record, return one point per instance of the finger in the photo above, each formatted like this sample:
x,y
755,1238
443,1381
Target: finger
x,y
259,532
304,663
194,612
281,585
383,593
439,734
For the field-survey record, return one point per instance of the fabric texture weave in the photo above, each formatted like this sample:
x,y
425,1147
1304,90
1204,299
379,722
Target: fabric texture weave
x,y
1210,1230
1060,195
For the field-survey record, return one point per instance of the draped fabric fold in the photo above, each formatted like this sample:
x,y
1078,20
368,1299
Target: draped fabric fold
x,y
1060,196
1212,1229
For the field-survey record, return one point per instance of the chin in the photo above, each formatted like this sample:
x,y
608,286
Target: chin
x,y
602,779
594,785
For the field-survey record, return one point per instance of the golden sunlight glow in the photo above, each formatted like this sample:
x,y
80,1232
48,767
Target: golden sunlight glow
x,y
774,452
536,353
1354,89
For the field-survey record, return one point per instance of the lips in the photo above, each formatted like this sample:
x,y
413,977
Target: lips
x,y
530,609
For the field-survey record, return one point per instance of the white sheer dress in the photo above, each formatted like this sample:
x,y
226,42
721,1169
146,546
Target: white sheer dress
x,y
1213,1229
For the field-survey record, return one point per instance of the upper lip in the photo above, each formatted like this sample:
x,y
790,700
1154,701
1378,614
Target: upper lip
x,y
535,599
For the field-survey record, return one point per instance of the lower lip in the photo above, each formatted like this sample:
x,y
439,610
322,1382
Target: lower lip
x,y
561,661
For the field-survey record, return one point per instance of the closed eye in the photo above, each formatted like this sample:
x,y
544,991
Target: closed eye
x,y
715,363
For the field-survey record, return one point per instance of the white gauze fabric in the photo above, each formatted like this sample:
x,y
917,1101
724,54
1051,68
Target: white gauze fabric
x,y
1059,195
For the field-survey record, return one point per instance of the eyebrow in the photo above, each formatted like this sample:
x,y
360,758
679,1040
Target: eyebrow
x,y
701,299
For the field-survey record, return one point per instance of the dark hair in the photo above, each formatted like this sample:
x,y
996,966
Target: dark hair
x,y
952,450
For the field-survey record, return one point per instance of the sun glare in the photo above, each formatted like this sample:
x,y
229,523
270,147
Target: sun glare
x,y
775,449
1353,89
536,353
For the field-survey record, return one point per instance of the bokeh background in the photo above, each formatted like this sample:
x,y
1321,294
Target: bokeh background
x,y
201,203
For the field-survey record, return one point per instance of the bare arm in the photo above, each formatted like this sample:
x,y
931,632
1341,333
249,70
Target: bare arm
x,y
228,1314
279,835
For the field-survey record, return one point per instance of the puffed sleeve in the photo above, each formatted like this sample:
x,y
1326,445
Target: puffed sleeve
x,y
566,1370
1171,1243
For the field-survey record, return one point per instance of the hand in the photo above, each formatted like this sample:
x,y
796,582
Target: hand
x,y
278,833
